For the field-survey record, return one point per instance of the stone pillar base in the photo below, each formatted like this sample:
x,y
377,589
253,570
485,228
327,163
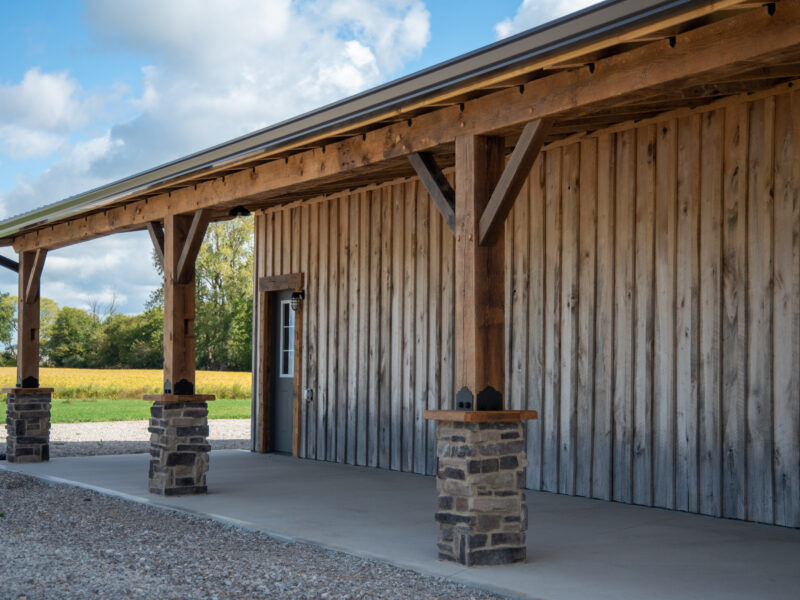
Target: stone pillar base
x,y
178,445
28,424
482,514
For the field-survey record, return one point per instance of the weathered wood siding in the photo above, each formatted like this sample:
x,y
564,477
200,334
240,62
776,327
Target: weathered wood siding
x,y
378,332
653,315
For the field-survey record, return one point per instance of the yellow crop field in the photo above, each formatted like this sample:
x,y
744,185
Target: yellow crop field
x,y
116,384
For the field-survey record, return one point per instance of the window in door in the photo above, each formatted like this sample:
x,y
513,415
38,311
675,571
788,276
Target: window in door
x,y
287,340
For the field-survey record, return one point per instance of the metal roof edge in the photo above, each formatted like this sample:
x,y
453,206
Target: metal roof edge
x,y
593,23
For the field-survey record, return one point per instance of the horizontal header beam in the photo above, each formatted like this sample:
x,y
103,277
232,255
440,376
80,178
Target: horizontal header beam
x,y
280,283
736,43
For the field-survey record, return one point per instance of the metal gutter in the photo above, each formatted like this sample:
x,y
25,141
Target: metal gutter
x,y
592,24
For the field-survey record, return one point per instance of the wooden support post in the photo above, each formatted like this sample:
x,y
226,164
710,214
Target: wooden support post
x,y
180,250
479,275
30,271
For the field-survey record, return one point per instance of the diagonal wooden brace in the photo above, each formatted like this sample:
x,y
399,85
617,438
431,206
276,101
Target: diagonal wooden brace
x,y
34,277
437,185
513,178
194,239
156,231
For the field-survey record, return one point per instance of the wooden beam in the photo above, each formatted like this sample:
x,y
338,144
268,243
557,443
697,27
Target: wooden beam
x,y
12,265
179,306
439,189
30,264
712,51
156,231
479,279
35,276
279,283
514,175
194,239
779,71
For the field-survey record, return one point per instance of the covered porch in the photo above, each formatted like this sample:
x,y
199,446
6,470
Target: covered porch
x,y
577,547
595,223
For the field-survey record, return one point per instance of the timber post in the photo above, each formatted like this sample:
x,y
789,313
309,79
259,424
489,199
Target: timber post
x,y
482,513
179,417
30,272
28,405
479,279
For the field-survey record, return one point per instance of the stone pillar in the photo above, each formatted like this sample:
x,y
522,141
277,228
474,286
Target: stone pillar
x,y
28,424
178,444
481,475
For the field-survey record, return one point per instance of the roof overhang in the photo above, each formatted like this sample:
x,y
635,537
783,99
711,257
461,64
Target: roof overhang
x,y
570,45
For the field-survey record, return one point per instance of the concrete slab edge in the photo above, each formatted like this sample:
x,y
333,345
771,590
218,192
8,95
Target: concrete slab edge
x,y
456,576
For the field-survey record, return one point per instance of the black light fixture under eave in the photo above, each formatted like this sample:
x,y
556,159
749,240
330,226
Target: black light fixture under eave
x,y
239,211
296,298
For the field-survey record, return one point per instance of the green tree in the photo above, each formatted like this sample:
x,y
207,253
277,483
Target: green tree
x,y
146,350
129,342
223,323
8,329
70,338
224,296
8,319
48,309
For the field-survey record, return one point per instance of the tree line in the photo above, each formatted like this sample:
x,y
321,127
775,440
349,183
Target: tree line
x,y
101,338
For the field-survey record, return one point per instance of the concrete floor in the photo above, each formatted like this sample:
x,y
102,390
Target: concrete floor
x,y
577,548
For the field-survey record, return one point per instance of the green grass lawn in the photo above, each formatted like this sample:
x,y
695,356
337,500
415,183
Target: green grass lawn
x,y
94,410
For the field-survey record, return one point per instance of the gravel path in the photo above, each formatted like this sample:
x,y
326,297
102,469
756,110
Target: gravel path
x,y
130,437
64,542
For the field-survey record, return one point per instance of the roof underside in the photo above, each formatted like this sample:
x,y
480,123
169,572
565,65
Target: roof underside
x,y
575,43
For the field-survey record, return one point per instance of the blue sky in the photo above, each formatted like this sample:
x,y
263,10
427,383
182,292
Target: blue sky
x,y
94,90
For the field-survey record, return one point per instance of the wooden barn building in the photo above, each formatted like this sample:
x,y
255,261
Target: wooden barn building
x,y
596,222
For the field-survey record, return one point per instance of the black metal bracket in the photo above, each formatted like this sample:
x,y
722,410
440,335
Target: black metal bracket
x,y
28,382
183,387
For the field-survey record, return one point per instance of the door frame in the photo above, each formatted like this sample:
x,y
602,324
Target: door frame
x,y
266,285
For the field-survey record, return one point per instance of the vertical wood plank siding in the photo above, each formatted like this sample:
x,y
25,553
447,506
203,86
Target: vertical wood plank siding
x,y
652,306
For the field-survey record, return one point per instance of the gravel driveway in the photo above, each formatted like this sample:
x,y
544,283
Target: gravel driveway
x,y
64,542
131,437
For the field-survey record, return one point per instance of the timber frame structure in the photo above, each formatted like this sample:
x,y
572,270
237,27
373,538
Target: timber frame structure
x,y
596,222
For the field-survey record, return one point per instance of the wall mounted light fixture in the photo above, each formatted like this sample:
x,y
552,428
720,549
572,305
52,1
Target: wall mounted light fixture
x,y
297,297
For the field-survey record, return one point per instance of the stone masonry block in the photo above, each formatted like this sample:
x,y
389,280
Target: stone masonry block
x,y
481,510
179,448
28,426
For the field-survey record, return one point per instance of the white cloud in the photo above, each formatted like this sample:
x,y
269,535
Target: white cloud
x,y
229,67
117,267
217,69
75,172
24,142
38,113
43,101
536,12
